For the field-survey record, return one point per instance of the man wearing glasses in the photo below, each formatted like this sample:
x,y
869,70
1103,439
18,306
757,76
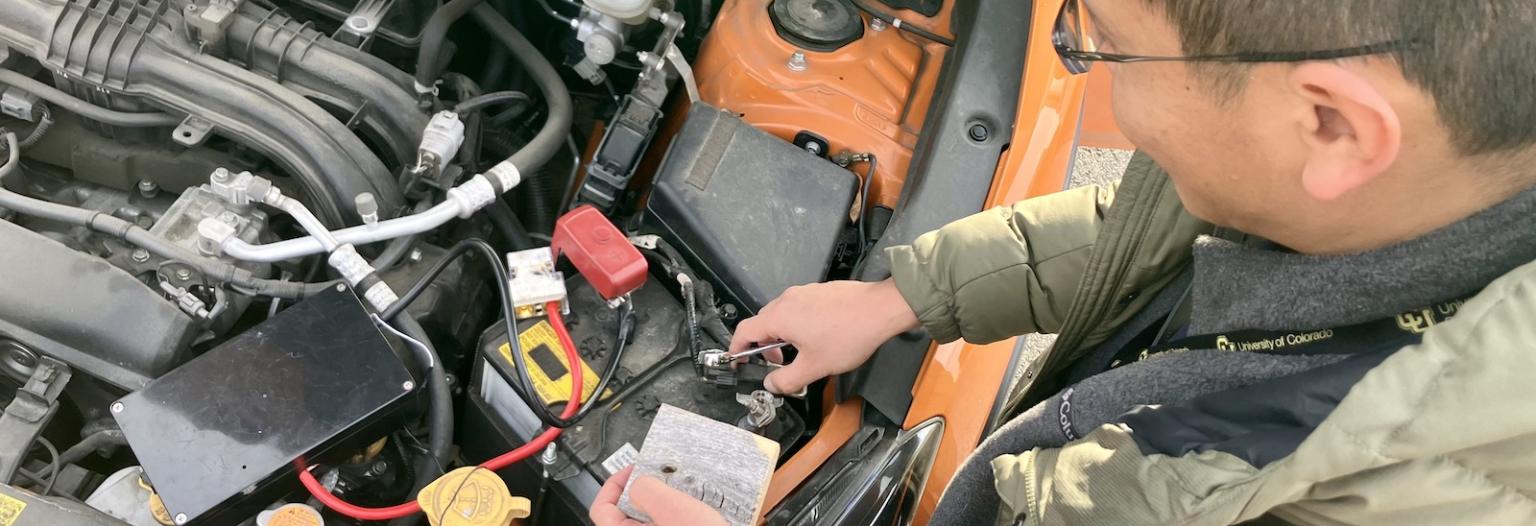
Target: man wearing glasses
x,y
1310,299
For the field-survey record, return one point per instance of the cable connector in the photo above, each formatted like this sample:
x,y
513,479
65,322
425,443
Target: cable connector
x,y
240,189
440,141
532,278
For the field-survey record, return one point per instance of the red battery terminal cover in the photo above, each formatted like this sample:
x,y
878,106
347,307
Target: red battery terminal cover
x,y
599,251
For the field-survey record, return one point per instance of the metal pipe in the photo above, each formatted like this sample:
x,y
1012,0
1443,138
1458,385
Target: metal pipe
x,y
358,235
106,224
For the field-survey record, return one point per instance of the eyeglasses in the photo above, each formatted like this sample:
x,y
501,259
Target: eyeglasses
x,y
1075,44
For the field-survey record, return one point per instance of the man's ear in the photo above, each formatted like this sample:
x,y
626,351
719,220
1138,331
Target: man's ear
x,y
1351,132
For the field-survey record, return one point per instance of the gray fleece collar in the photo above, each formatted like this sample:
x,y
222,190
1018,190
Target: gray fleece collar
x,y
1242,287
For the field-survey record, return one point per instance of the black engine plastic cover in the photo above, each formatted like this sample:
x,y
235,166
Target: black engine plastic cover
x,y
752,212
85,312
217,436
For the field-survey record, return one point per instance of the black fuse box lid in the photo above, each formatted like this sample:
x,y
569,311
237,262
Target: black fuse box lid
x,y
217,434
753,212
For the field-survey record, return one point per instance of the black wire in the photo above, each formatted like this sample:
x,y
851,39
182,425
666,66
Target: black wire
x,y
869,177
625,323
903,25
480,102
53,464
508,313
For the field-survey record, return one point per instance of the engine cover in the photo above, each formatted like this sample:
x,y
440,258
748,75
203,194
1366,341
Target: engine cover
x,y
85,312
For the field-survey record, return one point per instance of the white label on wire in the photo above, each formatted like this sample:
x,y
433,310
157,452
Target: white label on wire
x,y
623,458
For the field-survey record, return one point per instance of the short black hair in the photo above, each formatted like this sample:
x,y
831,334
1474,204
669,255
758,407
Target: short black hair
x,y
1475,58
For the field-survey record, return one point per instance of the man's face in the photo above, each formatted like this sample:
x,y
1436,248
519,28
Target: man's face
x,y
1230,161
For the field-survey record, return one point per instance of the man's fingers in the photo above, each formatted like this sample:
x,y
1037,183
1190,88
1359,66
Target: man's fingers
x,y
668,506
615,485
793,377
605,508
748,333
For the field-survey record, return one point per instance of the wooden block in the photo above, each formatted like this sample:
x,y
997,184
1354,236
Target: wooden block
x,y
720,464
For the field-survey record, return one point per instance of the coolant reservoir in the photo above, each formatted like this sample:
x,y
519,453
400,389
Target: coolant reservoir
x,y
625,9
787,66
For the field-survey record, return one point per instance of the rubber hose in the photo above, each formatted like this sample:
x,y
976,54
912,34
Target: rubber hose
x,y
430,55
133,234
509,226
480,102
541,199
495,63
439,418
85,109
552,136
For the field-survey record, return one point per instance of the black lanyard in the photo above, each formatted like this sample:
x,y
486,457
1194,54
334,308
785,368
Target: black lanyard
x,y
1406,327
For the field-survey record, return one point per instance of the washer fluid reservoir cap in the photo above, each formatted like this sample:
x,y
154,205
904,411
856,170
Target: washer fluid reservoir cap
x,y
817,25
625,9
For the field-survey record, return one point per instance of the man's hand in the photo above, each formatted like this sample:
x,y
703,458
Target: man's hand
x,y
666,506
836,327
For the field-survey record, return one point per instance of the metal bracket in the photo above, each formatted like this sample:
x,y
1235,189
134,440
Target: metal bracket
x,y
192,131
34,406
362,22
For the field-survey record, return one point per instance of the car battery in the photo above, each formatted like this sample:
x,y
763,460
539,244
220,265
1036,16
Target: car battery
x,y
655,369
217,437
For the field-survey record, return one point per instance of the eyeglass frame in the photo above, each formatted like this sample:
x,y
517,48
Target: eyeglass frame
x,y
1079,62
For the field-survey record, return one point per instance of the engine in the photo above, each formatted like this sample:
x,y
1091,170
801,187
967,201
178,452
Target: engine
x,y
291,261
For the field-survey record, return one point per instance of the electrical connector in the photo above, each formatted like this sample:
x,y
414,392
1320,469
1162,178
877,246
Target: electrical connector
x,y
440,141
19,104
532,277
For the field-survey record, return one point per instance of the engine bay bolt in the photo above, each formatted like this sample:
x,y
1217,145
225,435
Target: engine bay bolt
x,y
117,407
797,61
181,518
360,23
148,188
813,147
220,175
979,132
550,455
183,274
877,24
139,255
408,385
415,255
229,218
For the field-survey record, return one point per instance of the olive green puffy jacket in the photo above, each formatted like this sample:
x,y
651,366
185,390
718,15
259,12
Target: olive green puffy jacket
x,y
1440,432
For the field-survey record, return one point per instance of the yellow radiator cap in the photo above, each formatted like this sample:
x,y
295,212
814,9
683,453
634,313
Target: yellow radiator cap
x,y
471,496
294,514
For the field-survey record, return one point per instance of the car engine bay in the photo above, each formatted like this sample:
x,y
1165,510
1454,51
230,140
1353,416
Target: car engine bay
x,y
297,259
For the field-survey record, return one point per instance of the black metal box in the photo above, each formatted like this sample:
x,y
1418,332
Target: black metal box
x,y
217,437
753,212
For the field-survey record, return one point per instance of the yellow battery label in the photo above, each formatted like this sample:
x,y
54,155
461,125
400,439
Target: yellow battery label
x,y
547,365
10,510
